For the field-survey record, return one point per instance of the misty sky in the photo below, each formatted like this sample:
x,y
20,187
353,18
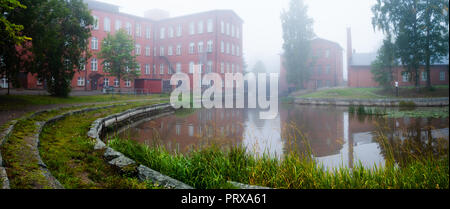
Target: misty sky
x,y
262,33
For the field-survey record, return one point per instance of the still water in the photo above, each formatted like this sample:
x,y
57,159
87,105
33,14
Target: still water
x,y
334,137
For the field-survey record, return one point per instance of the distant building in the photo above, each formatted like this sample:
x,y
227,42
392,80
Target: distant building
x,y
326,66
164,45
360,75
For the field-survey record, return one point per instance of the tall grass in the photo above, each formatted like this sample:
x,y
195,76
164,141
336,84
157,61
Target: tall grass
x,y
212,166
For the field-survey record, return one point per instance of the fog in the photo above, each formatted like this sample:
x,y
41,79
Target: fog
x,y
262,33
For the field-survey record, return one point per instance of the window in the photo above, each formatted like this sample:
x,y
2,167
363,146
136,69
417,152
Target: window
x,y
161,51
200,47
442,76
107,24
138,30
178,67
4,83
138,49
228,29
191,48
209,67
424,76
127,83
138,69
232,30
118,25
328,69
222,67
96,22
94,43
191,67
171,32
200,27
222,47
232,68
191,130
94,64
80,81
209,27
228,48
179,30
147,69
128,28
191,28
161,69
232,49
170,51
116,82
147,51
238,51
154,51
127,69
222,27
327,53
148,32
228,67
405,76
162,33
209,46
154,69
178,49
106,82
39,82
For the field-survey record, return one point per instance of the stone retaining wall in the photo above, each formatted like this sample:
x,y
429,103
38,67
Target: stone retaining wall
x,y
4,182
419,102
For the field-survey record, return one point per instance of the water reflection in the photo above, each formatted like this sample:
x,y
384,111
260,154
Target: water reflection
x,y
334,137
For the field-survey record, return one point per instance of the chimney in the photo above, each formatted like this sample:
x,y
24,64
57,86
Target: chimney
x,y
349,46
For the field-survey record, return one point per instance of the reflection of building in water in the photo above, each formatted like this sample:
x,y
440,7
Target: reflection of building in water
x,y
262,136
195,128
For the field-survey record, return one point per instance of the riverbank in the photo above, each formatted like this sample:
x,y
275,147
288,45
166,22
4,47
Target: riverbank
x,y
387,102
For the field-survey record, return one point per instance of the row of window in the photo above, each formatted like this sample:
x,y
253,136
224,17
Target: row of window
x,y
326,69
224,67
322,53
194,28
118,25
226,48
406,76
81,82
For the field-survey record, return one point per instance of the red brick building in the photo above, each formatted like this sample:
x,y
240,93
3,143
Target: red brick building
x,y
360,75
326,66
164,45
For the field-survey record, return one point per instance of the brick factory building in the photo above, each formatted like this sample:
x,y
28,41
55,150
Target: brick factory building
x,y
326,66
360,75
164,46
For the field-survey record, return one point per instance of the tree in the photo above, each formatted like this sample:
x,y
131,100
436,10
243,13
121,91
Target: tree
x,y
11,36
117,54
60,30
297,33
435,21
386,61
419,28
259,67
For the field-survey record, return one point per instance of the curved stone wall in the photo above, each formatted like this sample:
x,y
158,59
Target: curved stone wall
x,y
419,102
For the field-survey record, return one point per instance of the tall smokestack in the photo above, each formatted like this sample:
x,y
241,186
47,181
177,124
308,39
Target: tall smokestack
x,y
349,46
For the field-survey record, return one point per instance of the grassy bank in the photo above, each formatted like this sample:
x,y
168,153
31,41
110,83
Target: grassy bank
x,y
424,112
212,167
378,93
19,101
66,150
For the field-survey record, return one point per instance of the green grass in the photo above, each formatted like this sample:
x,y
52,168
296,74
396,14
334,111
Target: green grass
x,y
378,93
19,101
211,167
70,156
22,166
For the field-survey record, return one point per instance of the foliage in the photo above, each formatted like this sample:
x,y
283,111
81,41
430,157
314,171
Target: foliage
x,y
297,34
117,54
10,32
420,31
382,67
259,67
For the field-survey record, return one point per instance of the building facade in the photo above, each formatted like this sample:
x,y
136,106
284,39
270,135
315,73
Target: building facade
x,y
164,46
325,64
360,75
